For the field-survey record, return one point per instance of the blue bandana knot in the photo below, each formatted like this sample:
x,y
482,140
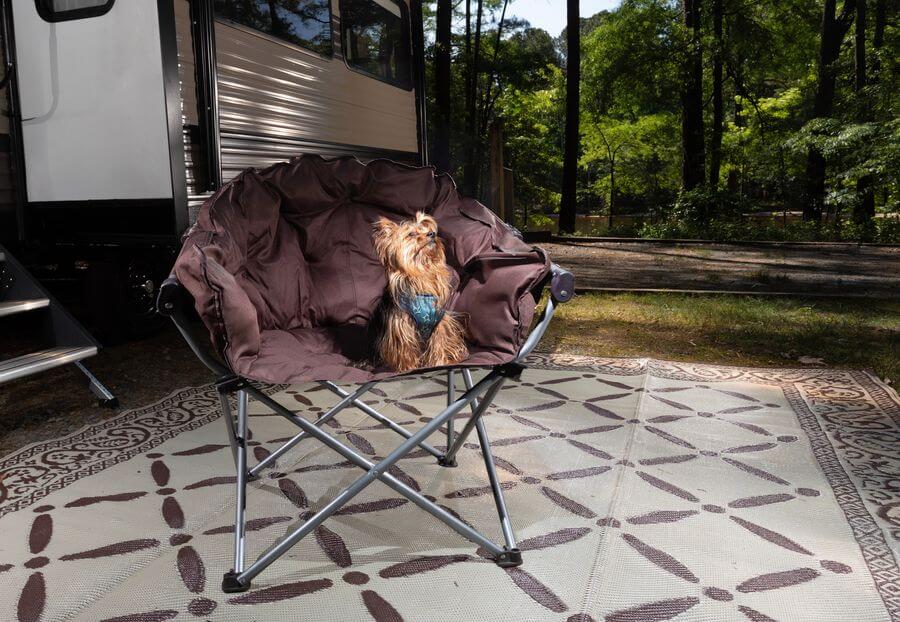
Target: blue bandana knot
x,y
424,310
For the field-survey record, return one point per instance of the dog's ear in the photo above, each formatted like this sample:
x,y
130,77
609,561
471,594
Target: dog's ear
x,y
383,230
423,218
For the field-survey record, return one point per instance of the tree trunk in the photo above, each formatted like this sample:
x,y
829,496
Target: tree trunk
x,y
442,79
864,210
612,193
718,120
693,164
487,104
859,46
831,36
572,139
470,169
878,37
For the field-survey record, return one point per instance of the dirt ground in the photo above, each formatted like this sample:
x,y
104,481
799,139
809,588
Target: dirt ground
x,y
840,269
58,402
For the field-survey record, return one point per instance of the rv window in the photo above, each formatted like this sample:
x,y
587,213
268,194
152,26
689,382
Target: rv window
x,y
62,10
306,23
376,39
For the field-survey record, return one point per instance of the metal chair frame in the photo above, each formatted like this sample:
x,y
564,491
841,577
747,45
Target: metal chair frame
x,y
478,396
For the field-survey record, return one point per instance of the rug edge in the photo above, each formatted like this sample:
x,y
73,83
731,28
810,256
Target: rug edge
x,y
102,422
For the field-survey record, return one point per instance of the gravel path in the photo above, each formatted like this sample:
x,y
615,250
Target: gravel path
x,y
839,270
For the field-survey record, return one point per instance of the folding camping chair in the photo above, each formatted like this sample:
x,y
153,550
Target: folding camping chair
x,y
263,221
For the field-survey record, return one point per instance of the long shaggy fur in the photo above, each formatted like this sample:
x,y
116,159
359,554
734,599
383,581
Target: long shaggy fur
x,y
413,257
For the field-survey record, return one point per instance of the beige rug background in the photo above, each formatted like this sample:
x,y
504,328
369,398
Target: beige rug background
x,y
640,490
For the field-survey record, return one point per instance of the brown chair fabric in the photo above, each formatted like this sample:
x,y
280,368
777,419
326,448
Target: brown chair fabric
x,y
283,273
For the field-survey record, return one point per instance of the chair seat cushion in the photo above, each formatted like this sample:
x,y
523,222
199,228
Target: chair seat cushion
x,y
284,275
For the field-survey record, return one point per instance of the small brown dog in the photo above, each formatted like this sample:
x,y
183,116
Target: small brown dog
x,y
416,330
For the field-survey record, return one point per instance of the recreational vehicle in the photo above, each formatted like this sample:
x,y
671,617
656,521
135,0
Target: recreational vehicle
x,y
124,115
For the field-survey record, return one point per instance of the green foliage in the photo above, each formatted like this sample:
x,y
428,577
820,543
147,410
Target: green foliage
x,y
643,154
630,62
633,59
700,206
878,231
856,150
531,124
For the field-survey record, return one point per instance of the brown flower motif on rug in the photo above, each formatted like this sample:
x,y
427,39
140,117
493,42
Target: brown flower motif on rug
x,y
640,490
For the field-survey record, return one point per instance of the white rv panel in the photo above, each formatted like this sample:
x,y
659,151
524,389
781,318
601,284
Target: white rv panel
x,y
93,105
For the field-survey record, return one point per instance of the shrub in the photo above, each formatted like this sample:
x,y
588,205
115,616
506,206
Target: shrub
x,y
879,230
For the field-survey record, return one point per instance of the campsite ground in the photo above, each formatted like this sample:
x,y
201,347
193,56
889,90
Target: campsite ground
x,y
761,331
837,269
717,328
861,331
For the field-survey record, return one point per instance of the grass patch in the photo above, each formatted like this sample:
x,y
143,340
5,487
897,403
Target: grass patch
x,y
733,330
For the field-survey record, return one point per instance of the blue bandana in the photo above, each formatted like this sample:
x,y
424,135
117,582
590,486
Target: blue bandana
x,y
424,311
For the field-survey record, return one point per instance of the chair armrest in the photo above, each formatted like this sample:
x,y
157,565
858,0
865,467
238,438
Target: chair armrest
x,y
562,284
171,303
171,297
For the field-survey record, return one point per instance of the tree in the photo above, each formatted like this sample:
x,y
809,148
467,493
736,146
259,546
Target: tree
x,y
864,209
442,84
470,166
718,118
571,145
831,35
693,165
612,152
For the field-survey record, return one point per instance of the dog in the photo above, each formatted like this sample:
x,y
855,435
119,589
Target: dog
x,y
416,330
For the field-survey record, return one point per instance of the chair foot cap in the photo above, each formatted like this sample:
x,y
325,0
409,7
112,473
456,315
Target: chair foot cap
x,y
231,585
509,558
447,463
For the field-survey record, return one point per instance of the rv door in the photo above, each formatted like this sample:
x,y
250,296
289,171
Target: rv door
x,y
92,100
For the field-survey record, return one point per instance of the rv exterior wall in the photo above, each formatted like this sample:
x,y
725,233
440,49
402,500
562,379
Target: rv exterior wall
x,y
79,145
277,100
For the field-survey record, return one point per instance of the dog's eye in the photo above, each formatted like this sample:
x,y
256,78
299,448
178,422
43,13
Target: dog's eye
x,y
411,234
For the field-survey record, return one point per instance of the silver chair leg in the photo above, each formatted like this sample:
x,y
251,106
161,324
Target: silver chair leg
x,y
228,418
490,384
508,536
450,455
445,460
240,495
239,578
505,524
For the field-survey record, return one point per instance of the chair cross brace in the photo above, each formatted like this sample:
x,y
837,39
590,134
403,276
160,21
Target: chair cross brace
x,y
478,396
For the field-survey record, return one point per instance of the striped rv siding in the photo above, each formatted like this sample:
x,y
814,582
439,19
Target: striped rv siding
x,y
194,171
277,100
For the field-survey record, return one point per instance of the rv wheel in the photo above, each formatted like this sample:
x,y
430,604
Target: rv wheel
x,y
120,293
141,284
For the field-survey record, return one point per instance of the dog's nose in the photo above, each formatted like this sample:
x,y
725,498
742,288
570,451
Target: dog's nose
x,y
432,234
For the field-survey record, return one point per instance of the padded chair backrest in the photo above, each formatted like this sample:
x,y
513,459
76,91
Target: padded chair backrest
x,y
297,239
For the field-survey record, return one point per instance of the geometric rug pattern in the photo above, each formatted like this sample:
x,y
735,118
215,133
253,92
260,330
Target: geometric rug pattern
x,y
640,490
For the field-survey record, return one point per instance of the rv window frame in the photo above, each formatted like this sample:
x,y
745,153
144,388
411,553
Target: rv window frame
x,y
275,39
49,15
405,24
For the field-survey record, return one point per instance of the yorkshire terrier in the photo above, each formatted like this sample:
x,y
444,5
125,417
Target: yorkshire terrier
x,y
416,329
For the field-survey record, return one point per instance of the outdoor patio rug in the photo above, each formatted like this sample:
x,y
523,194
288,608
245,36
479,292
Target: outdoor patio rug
x,y
641,490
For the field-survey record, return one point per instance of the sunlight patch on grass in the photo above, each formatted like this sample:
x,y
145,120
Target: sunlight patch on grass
x,y
736,330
